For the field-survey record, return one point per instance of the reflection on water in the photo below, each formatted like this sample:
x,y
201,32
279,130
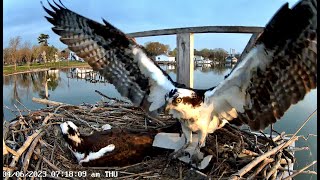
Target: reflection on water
x,y
78,86
22,85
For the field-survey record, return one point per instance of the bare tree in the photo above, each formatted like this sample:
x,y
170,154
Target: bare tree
x,y
6,56
14,45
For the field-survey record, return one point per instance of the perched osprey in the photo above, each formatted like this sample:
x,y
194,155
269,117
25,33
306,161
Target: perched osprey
x,y
278,72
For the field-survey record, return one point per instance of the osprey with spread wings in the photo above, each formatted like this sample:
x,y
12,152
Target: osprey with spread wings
x,y
277,72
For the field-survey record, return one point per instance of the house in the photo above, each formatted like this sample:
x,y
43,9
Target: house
x,y
231,60
73,57
198,58
165,57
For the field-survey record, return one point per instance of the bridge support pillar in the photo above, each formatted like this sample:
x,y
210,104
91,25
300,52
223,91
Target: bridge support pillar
x,y
185,62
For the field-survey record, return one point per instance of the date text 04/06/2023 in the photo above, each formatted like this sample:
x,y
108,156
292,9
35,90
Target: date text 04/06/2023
x,y
45,174
66,174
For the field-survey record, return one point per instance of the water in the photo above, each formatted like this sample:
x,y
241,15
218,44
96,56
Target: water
x,y
72,90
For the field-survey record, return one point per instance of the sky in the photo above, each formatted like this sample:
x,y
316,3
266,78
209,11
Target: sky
x,y
26,18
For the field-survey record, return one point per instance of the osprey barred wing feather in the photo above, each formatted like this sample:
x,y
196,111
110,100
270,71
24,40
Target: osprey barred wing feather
x,y
117,57
278,72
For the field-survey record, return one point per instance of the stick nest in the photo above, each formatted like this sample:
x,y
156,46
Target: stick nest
x,y
36,142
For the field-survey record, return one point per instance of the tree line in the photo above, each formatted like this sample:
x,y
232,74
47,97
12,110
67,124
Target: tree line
x,y
217,54
19,52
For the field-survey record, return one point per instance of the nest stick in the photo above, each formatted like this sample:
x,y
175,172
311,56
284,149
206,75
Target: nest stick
x,y
83,121
299,171
18,110
274,167
280,136
48,102
23,105
250,153
6,125
21,150
30,152
103,95
7,149
257,171
55,168
294,171
303,124
257,160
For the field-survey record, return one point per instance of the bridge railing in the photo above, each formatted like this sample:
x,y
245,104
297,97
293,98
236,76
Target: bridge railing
x,y
185,44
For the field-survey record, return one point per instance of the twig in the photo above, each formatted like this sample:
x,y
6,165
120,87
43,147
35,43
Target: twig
x,y
85,122
18,111
8,149
257,160
8,169
37,167
294,171
63,105
55,168
250,153
47,118
54,146
5,128
103,95
294,149
278,137
218,166
304,123
125,167
30,152
257,171
299,171
274,167
23,105
155,119
309,135
22,149
48,102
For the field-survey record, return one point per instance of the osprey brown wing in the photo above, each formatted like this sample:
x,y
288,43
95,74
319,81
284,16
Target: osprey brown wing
x,y
117,57
278,72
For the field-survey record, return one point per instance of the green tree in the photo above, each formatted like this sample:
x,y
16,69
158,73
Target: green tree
x,y
174,52
205,52
156,48
26,53
51,51
220,54
43,39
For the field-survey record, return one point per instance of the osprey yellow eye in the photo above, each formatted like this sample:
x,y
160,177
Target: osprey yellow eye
x,y
178,100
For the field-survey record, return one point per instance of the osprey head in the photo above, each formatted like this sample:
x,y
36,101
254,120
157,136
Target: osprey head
x,y
71,133
184,103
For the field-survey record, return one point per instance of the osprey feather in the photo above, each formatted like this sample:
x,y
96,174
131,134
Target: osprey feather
x,y
279,71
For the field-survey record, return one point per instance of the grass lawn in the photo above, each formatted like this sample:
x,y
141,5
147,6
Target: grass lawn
x,y
10,69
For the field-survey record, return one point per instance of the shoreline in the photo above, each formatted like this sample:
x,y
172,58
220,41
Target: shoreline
x,y
45,69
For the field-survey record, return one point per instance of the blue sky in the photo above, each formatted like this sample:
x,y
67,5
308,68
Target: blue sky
x,y
26,18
